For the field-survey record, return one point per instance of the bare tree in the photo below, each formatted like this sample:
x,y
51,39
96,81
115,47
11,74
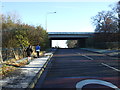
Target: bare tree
x,y
118,11
105,22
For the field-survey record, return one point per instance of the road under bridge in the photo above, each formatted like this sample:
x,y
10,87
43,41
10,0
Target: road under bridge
x,y
80,36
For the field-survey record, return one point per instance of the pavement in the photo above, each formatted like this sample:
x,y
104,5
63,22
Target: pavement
x,y
113,53
26,77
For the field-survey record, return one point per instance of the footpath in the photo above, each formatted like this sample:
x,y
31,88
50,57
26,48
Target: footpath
x,y
113,53
26,76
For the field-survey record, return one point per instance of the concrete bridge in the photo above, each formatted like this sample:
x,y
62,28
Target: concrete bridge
x,y
80,36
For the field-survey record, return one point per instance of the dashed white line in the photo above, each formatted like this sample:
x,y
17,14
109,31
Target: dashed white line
x,y
88,57
110,67
102,63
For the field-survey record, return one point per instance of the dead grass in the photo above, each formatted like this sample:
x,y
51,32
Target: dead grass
x,y
5,70
10,66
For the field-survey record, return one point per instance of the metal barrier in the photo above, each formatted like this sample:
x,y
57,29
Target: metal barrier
x,y
12,53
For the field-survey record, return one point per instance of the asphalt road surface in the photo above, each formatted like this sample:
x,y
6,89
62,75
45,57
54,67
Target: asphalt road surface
x,y
76,68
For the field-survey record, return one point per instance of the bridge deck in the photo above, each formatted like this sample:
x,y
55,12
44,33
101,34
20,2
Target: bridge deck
x,y
68,35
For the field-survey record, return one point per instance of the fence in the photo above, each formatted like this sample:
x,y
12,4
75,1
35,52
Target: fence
x,y
12,53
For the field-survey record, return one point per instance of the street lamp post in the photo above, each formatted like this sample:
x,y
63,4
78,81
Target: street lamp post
x,y
47,16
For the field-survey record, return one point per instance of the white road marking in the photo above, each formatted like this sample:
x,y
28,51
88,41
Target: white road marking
x,y
101,63
88,57
81,84
77,53
110,67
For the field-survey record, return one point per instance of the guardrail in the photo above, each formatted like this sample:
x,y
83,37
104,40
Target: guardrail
x,y
12,53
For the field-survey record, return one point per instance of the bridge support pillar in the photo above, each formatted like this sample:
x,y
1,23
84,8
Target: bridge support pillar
x,y
81,43
50,43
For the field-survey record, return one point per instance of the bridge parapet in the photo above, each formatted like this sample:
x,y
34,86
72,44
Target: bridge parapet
x,y
74,33
69,35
